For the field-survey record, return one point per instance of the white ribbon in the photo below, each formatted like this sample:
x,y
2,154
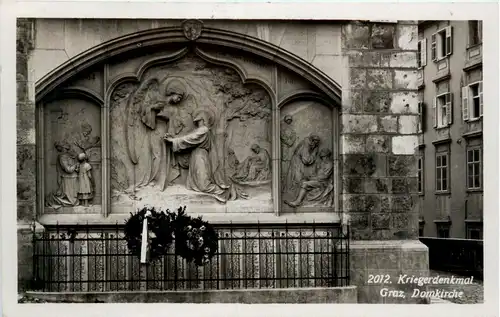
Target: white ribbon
x,y
144,241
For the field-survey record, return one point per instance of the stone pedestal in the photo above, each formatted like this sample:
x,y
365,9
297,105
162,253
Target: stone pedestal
x,y
382,270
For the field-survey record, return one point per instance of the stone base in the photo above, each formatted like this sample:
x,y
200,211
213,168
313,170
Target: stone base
x,y
25,255
378,268
331,295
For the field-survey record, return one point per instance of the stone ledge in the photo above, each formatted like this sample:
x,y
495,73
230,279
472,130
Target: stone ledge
x,y
331,295
227,218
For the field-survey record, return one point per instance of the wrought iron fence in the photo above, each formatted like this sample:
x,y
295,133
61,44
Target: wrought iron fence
x,y
460,256
83,259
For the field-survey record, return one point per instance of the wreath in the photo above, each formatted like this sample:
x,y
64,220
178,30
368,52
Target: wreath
x,y
160,232
195,239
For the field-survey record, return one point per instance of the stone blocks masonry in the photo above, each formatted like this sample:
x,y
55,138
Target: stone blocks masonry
x,y
378,140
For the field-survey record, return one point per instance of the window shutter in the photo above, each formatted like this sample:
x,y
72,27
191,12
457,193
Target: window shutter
x,y
449,40
465,103
449,108
435,113
422,117
433,47
423,52
480,88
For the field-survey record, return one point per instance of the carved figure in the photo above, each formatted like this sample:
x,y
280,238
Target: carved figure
x,y
85,180
67,179
232,162
204,173
192,29
288,136
256,167
156,165
303,158
318,187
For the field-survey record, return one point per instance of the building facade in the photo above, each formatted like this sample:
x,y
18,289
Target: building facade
x,y
338,94
450,169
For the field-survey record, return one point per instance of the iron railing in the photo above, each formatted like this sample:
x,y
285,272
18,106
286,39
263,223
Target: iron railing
x,y
83,259
459,256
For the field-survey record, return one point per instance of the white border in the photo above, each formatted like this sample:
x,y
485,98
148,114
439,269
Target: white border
x,y
363,11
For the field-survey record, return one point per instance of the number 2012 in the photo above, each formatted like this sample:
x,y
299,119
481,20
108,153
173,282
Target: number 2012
x,y
378,279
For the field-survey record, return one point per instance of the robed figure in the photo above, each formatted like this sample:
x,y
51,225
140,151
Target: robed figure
x,y
66,194
152,112
302,162
205,168
317,188
256,167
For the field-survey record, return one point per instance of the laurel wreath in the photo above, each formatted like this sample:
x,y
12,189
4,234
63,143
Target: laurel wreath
x,y
195,240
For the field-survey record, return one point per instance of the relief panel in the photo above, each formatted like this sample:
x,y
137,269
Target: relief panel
x,y
307,167
72,156
290,83
191,133
248,65
91,80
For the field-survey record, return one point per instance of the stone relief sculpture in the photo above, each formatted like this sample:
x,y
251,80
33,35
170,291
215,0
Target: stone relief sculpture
x,y
72,127
156,165
255,168
204,165
232,162
66,194
288,136
318,187
301,162
85,180
85,141
306,156
192,29
183,132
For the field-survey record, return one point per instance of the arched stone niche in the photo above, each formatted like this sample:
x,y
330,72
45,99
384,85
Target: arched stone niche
x,y
308,165
223,108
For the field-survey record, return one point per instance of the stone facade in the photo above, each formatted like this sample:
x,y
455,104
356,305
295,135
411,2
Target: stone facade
x,y
356,81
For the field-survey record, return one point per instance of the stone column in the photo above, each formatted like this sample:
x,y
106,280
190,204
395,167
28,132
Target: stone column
x,y
378,140
26,152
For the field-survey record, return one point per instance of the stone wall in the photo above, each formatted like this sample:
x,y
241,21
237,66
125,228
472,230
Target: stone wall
x,y
379,130
26,152
58,40
379,136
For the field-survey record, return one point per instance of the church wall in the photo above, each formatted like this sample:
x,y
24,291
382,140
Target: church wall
x,y
372,134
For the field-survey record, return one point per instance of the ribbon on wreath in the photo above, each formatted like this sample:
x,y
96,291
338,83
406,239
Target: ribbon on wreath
x,y
145,236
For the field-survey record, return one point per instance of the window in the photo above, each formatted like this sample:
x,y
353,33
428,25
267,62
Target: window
x,y
474,231
472,101
475,32
443,230
421,231
442,172
474,174
422,53
420,175
443,111
442,44
421,117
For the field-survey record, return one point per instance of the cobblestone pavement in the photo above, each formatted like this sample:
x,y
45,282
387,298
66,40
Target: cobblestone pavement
x,y
473,293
